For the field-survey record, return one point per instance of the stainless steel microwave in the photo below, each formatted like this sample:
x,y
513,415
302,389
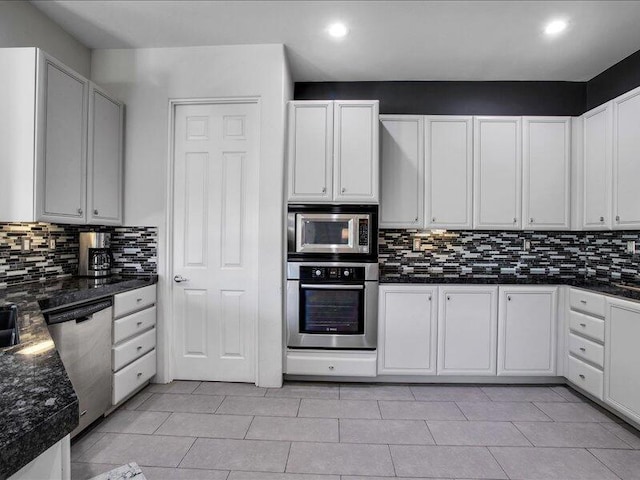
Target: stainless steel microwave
x,y
332,232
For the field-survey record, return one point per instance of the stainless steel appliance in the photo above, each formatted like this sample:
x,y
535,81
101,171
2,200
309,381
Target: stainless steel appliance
x,y
332,233
332,305
95,258
82,335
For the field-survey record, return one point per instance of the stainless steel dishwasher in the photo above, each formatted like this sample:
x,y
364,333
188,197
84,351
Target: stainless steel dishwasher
x,y
82,334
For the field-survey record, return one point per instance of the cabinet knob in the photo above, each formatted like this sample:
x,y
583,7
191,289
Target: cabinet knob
x,y
531,220
324,189
138,323
139,347
344,190
79,211
95,211
617,218
509,298
602,219
448,297
515,220
583,325
583,301
415,219
582,349
139,374
433,219
429,297
581,376
330,367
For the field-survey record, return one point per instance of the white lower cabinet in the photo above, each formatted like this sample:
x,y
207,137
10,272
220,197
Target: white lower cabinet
x,y
622,357
52,464
133,355
331,363
467,330
527,330
407,326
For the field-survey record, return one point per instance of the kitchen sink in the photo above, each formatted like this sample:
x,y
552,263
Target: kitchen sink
x,y
9,331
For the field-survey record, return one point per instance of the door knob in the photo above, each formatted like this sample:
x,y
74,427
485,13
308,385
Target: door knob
x,y
179,279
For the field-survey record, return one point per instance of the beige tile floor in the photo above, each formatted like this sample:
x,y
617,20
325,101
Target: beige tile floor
x,y
314,431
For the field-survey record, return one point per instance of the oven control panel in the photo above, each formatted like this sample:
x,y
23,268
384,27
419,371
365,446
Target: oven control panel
x,y
332,274
363,232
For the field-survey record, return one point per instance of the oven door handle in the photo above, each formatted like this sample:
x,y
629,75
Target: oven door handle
x,y
326,286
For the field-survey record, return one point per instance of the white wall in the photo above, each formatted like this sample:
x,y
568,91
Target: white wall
x,y
23,25
145,79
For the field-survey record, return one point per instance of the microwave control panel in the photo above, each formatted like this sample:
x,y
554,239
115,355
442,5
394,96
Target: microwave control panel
x,y
363,232
332,274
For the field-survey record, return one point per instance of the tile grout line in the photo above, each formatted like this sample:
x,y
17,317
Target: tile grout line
x,y
162,423
602,463
393,464
286,463
248,428
496,460
524,434
187,452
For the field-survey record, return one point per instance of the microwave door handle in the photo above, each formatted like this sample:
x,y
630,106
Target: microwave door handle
x,y
332,286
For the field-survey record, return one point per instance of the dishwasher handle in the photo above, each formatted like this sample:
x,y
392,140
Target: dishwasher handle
x,y
79,313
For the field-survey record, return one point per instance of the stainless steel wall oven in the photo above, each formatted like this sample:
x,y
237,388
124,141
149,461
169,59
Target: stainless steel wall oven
x,y
332,305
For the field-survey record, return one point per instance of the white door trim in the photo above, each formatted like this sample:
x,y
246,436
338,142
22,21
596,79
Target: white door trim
x,y
166,305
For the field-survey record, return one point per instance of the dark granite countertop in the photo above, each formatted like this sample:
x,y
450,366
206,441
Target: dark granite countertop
x,y
605,288
39,406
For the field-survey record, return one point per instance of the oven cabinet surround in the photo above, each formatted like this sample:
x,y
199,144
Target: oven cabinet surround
x,y
133,355
333,151
467,330
622,360
334,363
53,464
60,143
407,330
507,173
527,330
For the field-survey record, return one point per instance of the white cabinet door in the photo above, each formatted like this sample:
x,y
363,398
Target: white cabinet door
x,y
104,158
626,161
449,172
622,357
527,330
497,173
407,339
310,151
62,152
596,168
356,151
401,164
467,330
545,178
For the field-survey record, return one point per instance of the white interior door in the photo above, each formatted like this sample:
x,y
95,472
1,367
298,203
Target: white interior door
x,y
215,241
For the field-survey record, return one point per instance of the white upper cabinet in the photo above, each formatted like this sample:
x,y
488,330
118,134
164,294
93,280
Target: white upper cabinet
x,y
596,168
401,165
467,330
527,330
333,151
356,148
61,151
407,340
311,151
46,124
497,173
105,158
626,161
448,172
546,173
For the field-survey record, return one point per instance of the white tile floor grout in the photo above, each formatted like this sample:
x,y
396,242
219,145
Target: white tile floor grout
x,y
513,433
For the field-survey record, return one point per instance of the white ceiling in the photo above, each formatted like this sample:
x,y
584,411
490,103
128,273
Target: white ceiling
x,y
388,40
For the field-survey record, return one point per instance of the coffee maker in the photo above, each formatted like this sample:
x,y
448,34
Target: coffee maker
x,y
95,255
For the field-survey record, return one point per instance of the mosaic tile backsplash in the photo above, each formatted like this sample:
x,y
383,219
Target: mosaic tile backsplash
x,y
461,254
134,251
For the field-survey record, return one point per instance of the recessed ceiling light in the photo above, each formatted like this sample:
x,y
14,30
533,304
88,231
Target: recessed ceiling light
x,y
555,26
337,30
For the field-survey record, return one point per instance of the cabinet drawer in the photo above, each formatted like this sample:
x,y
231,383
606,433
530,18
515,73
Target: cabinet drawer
x,y
133,300
589,378
133,376
586,349
128,351
133,324
587,302
334,364
586,325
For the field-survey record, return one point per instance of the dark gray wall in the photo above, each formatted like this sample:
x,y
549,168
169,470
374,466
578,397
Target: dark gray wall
x,y
484,98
